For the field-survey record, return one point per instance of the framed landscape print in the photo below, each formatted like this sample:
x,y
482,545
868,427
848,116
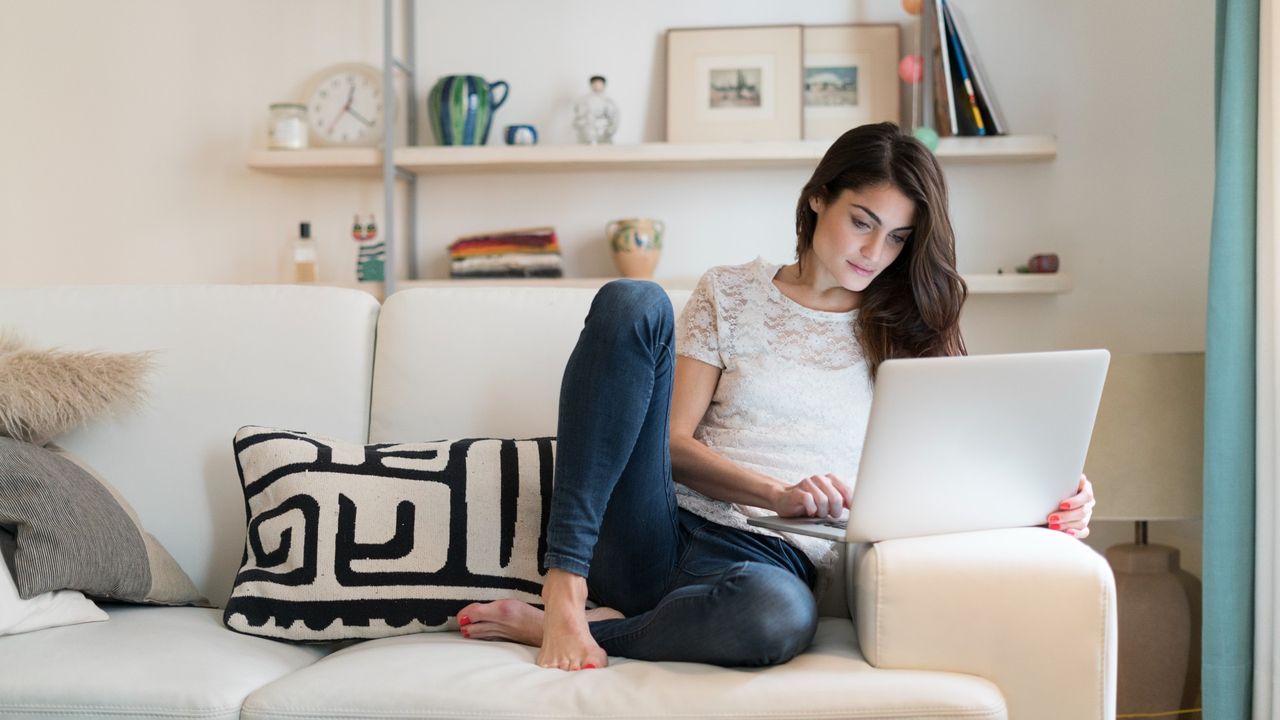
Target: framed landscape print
x,y
850,78
737,84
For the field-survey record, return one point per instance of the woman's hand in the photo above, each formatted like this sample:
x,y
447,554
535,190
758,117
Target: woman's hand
x,y
1073,514
815,496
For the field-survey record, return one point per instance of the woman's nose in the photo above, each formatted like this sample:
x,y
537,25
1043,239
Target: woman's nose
x,y
871,249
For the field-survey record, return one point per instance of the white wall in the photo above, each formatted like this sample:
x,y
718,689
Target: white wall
x,y
124,129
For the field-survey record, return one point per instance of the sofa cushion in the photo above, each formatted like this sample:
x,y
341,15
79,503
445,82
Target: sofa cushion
x,y
354,541
227,355
475,361
51,609
173,662
442,675
75,532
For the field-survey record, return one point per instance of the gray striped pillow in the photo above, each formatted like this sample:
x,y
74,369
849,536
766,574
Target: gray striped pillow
x,y
75,532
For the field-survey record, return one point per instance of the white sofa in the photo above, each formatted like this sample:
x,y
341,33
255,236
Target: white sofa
x,y
1005,624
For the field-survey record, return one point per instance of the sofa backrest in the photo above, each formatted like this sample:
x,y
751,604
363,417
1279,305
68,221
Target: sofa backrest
x,y
284,356
475,362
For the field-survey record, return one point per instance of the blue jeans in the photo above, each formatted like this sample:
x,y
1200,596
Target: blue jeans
x,y
691,590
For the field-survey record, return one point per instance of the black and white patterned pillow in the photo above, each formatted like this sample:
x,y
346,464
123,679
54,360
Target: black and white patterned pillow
x,y
348,541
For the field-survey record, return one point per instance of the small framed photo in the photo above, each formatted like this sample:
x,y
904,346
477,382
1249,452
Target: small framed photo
x,y
734,84
850,78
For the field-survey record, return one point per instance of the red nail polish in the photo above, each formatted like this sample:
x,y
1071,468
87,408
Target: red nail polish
x,y
1054,518
1064,505
589,666
1055,526
463,621
466,633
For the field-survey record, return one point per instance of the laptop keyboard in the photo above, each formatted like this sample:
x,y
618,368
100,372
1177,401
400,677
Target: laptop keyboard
x,y
837,524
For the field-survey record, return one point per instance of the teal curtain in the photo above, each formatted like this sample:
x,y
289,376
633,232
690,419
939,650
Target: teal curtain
x,y
1230,346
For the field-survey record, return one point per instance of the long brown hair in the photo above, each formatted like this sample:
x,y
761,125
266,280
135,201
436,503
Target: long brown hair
x,y
912,309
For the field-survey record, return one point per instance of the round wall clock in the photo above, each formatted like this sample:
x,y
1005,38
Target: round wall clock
x,y
345,107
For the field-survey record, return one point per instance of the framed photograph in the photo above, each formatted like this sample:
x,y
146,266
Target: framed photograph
x,y
850,78
734,84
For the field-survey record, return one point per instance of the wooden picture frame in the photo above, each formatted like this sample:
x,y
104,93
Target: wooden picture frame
x,y
738,84
850,77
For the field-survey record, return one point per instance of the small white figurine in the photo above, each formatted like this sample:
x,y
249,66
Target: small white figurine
x,y
595,115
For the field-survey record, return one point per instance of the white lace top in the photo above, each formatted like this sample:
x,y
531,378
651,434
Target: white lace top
x,y
794,392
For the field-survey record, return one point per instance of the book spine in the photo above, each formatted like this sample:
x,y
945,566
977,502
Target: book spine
x,y
926,58
963,69
946,67
986,99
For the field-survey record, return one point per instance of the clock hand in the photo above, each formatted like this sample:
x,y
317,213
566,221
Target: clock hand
x,y
336,118
361,118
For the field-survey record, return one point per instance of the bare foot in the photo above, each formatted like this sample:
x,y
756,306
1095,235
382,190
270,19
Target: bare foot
x,y
560,633
514,620
566,641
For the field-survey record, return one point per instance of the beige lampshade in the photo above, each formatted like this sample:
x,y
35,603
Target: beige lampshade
x,y
1146,457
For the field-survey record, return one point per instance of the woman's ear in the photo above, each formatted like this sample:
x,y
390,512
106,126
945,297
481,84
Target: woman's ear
x,y
815,203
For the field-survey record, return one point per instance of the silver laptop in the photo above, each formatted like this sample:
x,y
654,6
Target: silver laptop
x,y
968,443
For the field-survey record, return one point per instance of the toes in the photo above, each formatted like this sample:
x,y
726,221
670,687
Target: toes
x,y
483,631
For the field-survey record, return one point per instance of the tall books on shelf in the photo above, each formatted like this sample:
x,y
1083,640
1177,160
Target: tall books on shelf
x,y
963,101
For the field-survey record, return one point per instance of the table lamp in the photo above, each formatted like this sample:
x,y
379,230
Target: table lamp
x,y
1146,463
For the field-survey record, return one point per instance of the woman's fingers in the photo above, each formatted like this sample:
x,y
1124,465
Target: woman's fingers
x,y
846,492
1074,513
821,497
835,501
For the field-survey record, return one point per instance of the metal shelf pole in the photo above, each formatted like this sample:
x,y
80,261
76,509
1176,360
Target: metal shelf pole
x,y
388,151
390,173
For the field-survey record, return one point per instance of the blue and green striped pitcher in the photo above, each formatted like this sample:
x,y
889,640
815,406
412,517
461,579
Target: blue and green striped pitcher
x,y
461,108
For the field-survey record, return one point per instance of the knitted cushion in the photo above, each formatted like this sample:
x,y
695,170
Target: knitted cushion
x,y
352,541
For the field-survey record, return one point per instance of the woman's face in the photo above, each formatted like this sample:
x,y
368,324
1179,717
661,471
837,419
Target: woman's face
x,y
859,233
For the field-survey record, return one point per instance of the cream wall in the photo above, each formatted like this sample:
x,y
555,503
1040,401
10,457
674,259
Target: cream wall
x,y
126,126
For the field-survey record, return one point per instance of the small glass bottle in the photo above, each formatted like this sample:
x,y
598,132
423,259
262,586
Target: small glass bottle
x,y
305,259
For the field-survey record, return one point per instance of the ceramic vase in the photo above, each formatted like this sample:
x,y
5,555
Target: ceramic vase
x,y
636,245
461,108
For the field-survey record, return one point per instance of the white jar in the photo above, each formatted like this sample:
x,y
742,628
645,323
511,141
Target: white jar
x,y
287,128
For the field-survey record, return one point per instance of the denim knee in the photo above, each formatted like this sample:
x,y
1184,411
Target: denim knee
x,y
633,299
778,615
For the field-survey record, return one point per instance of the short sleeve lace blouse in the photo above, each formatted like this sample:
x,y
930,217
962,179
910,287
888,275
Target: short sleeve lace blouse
x,y
794,394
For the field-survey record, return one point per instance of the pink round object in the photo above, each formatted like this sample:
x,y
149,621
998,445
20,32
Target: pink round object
x,y
911,69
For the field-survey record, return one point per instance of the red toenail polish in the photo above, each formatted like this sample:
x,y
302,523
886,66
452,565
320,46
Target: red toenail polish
x,y
466,633
463,621
588,666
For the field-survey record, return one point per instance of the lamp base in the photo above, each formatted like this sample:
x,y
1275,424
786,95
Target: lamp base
x,y
1154,618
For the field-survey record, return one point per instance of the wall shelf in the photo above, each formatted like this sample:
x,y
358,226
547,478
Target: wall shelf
x,y
319,162
1010,284
429,160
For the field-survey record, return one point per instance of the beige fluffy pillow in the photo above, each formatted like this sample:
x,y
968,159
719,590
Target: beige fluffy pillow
x,y
44,393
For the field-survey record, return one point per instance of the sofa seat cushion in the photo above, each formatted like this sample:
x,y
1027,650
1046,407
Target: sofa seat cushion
x,y
442,675
153,662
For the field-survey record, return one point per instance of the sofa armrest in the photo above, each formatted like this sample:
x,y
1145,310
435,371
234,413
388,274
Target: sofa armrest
x,y
1033,611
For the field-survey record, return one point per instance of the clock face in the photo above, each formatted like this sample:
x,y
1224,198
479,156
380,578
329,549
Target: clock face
x,y
345,106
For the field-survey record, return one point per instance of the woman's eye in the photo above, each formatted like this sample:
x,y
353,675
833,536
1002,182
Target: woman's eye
x,y
861,225
898,239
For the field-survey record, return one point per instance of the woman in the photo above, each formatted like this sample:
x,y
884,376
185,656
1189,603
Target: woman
x,y
763,410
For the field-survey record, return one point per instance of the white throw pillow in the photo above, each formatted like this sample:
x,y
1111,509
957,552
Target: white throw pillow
x,y
51,609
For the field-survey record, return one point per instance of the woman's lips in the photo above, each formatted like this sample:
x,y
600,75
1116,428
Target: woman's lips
x,y
860,270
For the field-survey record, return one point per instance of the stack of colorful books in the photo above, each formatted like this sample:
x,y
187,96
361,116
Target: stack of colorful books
x,y
531,252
